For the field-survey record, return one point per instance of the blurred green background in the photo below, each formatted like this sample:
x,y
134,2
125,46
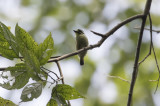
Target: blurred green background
x,y
114,58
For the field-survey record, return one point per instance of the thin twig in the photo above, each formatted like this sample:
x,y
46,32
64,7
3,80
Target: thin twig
x,y
157,31
49,75
99,34
151,42
135,69
117,77
54,57
51,72
60,71
150,20
157,68
150,49
48,81
153,80
61,74
59,79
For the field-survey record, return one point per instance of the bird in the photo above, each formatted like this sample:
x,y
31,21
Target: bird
x,y
81,42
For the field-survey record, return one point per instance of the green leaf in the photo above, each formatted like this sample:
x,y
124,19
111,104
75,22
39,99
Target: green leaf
x,y
17,69
67,92
4,102
6,85
2,39
8,47
31,91
9,37
19,72
27,47
52,102
25,40
59,99
32,64
62,92
21,80
8,53
45,50
4,44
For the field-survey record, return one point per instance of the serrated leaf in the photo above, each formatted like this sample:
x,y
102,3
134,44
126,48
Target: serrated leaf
x,y
25,40
4,102
31,91
8,53
21,80
2,39
27,47
4,49
9,37
45,50
52,102
8,47
19,72
66,91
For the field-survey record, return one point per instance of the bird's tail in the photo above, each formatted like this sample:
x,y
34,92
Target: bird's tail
x,y
81,61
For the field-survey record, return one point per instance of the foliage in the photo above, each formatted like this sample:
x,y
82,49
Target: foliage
x,y
62,92
33,57
4,102
31,91
62,16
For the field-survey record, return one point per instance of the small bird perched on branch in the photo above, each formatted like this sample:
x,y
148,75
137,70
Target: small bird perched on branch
x,y
82,42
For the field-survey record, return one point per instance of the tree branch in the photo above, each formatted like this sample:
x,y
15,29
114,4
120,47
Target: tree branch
x,y
98,44
2,69
61,74
60,71
49,71
150,20
99,34
135,69
104,37
151,42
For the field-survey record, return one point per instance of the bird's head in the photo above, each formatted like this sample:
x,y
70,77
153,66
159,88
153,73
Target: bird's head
x,y
78,31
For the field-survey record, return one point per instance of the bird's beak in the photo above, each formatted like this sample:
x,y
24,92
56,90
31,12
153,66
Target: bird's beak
x,y
75,31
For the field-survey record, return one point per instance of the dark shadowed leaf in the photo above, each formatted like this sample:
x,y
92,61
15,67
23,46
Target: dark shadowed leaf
x,y
31,91
20,74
